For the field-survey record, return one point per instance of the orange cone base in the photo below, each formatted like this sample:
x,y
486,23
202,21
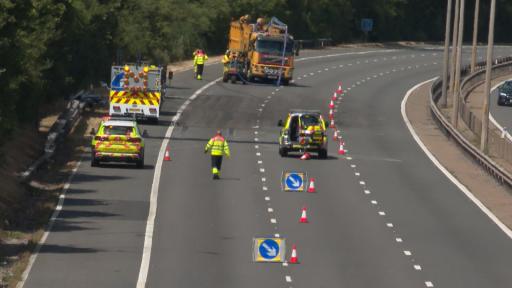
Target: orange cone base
x,y
305,156
167,157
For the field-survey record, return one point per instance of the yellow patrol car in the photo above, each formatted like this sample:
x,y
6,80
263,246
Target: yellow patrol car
x,y
117,140
303,131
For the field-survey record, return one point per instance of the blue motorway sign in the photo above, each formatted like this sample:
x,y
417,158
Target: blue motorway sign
x,y
269,249
366,24
293,181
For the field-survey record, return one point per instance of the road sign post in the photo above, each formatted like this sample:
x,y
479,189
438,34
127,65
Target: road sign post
x,y
366,27
269,249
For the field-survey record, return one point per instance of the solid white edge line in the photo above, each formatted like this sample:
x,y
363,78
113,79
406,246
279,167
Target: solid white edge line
x,y
493,121
452,178
55,215
150,225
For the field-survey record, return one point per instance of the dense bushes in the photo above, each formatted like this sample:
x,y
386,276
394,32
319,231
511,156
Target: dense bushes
x,y
49,48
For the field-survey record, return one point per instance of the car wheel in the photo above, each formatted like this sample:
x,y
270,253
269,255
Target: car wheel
x,y
322,153
283,152
94,162
140,162
286,82
500,103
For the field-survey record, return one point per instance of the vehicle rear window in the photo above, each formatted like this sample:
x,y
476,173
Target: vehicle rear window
x,y
309,120
118,130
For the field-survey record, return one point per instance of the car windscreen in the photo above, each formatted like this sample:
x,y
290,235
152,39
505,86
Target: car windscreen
x,y
274,47
118,130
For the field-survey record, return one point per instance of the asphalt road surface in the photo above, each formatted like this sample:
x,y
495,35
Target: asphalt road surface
x,y
383,215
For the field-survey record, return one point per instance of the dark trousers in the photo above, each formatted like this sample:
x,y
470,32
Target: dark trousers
x,y
200,68
216,162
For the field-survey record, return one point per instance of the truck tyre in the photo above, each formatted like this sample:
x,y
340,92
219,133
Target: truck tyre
x,y
225,77
250,78
286,82
322,154
233,79
283,152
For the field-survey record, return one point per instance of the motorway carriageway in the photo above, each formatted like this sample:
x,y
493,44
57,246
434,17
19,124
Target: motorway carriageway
x,y
383,215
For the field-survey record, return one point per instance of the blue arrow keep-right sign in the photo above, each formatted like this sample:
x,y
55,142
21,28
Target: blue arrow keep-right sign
x,y
293,181
269,249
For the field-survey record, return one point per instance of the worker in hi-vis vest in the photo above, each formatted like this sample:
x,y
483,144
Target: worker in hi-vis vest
x,y
218,147
199,58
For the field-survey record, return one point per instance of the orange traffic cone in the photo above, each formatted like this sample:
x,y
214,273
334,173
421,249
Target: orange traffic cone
x,y
334,97
294,259
303,216
167,157
341,150
331,114
339,90
305,156
336,135
311,188
331,105
332,125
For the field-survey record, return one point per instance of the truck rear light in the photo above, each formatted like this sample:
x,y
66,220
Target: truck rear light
x,y
152,110
134,140
116,109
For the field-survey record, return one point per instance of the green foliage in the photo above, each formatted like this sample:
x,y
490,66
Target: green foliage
x,y
51,48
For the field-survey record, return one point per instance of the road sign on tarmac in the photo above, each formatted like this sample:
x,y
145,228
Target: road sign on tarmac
x,y
293,181
269,249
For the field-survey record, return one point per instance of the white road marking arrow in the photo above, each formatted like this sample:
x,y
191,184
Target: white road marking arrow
x,y
271,251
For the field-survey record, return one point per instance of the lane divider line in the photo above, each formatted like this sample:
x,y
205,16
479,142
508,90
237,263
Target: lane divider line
x,y
150,224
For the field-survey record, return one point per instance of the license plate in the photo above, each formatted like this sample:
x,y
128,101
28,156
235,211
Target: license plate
x,y
134,109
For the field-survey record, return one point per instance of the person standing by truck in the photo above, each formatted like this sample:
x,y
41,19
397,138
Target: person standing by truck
x,y
199,59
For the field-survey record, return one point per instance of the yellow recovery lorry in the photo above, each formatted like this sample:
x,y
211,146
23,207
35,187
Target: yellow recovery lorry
x,y
259,51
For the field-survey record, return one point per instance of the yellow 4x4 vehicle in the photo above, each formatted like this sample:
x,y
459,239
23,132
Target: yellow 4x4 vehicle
x,y
117,140
303,130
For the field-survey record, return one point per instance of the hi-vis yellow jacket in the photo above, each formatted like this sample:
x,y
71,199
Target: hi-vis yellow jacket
x,y
218,146
199,59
